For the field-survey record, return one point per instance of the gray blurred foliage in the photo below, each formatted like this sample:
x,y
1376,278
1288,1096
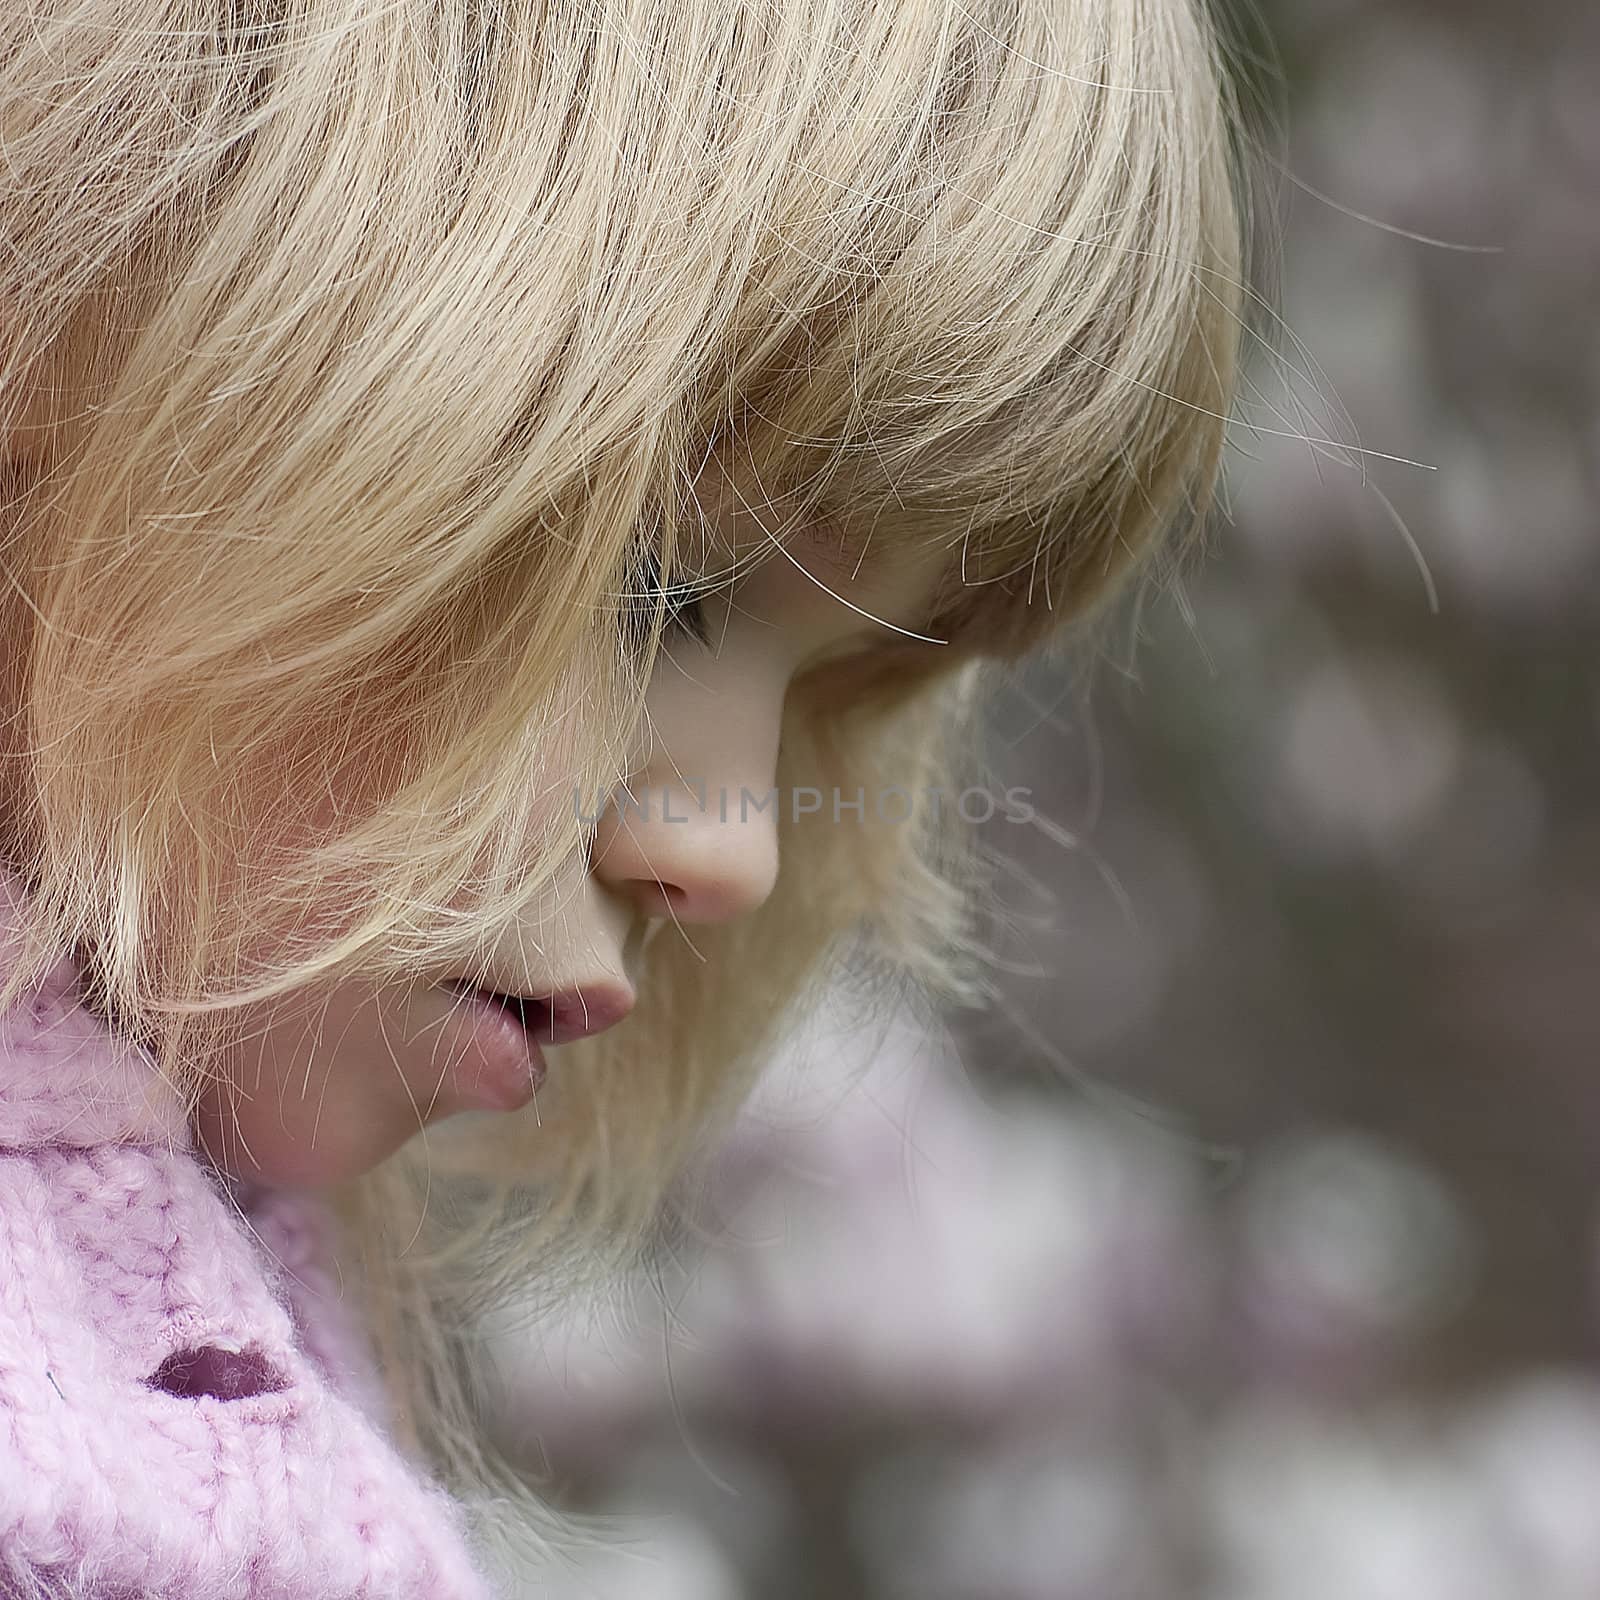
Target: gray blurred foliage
x,y
1250,1253
1350,804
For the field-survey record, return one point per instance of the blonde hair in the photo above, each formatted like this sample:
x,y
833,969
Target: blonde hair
x,y
353,355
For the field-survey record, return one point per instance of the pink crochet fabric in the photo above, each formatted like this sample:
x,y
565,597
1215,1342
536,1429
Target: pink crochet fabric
x,y
185,1407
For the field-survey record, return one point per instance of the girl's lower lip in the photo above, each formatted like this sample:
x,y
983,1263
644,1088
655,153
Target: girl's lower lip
x,y
498,1067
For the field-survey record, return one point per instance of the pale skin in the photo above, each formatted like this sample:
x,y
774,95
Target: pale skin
x,y
327,1088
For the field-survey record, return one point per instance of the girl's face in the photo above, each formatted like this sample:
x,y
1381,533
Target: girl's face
x,y
328,1085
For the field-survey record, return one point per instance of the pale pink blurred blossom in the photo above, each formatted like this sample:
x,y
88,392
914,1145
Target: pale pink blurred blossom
x,y
886,1243
1347,1253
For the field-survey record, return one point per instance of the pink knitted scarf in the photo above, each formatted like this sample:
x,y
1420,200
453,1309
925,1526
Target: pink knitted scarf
x,y
186,1407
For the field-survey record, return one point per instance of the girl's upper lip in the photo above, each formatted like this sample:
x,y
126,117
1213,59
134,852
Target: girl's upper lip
x,y
578,1012
581,1013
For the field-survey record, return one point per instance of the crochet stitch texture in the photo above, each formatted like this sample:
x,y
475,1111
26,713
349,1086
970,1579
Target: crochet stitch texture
x,y
186,1408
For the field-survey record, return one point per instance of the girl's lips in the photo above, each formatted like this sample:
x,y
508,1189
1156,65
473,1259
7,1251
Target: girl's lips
x,y
581,1013
500,1064
557,1018
496,1065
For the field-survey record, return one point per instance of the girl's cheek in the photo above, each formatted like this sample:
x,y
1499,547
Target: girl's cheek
x,y
305,805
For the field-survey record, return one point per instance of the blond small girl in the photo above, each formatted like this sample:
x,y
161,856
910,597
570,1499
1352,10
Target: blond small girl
x,y
470,467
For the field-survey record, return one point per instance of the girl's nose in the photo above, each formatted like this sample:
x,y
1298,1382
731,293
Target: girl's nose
x,y
695,855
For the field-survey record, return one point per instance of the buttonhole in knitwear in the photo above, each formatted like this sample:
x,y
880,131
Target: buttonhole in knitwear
x,y
217,1371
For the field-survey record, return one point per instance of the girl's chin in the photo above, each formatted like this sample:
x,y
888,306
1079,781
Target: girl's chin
x,y
280,1150
326,1092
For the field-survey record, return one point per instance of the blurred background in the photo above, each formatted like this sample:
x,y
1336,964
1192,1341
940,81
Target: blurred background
x,y
1247,1249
